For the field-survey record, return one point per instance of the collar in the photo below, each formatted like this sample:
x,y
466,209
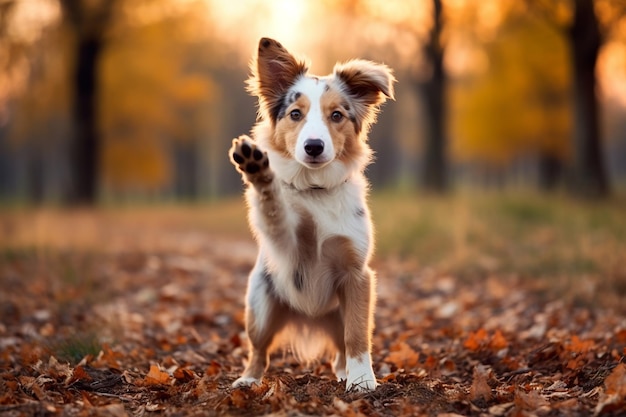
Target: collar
x,y
310,188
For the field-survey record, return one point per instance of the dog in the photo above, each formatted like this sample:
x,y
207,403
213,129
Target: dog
x,y
311,287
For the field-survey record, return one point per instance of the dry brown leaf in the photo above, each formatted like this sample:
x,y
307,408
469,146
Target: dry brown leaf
x,y
239,398
476,340
112,410
498,341
532,400
108,358
79,374
431,363
184,374
500,409
480,389
614,395
577,345
403,356
214,368
615,383
156,376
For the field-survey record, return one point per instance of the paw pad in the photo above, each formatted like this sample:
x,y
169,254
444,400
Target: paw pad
x,y
247,157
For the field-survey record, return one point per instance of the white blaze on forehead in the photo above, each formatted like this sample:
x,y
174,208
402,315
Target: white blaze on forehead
x,y
314,121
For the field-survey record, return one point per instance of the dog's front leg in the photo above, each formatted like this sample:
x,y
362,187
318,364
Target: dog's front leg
x,y
269,214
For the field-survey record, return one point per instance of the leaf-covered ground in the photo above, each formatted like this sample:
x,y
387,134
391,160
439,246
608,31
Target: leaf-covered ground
x,y
116,314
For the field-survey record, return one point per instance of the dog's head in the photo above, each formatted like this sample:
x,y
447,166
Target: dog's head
x,y
317,120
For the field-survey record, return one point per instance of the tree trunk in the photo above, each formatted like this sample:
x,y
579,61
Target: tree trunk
x,y
549,172
589,178
88,23
85,158
186,170
434,172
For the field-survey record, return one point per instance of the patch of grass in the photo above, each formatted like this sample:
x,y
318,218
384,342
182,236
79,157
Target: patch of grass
x,y
525,211
571,249
470,233
522,233
76,347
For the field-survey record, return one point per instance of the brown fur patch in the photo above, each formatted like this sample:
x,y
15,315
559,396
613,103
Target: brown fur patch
x,y
287,130
306,241
261,339
358,299
356,293
344,133
368,84
273,72
338,252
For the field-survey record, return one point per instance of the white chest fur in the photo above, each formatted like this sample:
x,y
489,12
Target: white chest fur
x,y
300,278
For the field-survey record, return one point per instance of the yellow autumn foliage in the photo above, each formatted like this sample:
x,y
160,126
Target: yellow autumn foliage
x,y
150,99
520,104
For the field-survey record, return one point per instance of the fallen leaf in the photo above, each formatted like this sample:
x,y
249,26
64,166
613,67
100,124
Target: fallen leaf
x,y
480,389
79,374
615,383
239,398
214,368
531,400
108,358
156,376
577,345
500,409
614,396
498,341
476,340
184,374
403,356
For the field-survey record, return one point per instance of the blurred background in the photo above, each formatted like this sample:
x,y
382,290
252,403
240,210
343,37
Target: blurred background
x,y
137,100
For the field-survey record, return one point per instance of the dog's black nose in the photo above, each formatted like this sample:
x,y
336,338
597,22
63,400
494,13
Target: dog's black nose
x,y
314,147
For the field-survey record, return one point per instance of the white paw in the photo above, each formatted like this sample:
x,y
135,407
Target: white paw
x,y
364,385
245,381
341,375
360,374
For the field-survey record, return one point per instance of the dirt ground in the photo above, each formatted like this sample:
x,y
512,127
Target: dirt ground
x,y
149,321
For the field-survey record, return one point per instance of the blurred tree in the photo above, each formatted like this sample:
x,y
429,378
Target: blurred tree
x,y
7,176
579,23
589,172
33,100
410,36
518,107
158,107
434,174
40,124
88,21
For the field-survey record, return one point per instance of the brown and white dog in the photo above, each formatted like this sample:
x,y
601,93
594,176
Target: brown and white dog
x,y
311,287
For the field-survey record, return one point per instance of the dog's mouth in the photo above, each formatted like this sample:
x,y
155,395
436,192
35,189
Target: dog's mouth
x,y
316,163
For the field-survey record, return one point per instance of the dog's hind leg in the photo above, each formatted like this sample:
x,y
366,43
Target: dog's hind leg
x,y
357,301
333,325
357,298
265,317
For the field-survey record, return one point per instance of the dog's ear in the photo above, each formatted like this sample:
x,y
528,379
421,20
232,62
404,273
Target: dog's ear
x,y
273,71
368,84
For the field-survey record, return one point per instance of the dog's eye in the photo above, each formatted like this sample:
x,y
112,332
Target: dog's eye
x,y
336,116
295,115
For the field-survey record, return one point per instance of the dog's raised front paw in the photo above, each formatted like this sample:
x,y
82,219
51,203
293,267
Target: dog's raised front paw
x,y
251,161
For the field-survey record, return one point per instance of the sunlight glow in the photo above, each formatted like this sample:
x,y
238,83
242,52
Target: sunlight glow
x,y
243,22
31,17
612,72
